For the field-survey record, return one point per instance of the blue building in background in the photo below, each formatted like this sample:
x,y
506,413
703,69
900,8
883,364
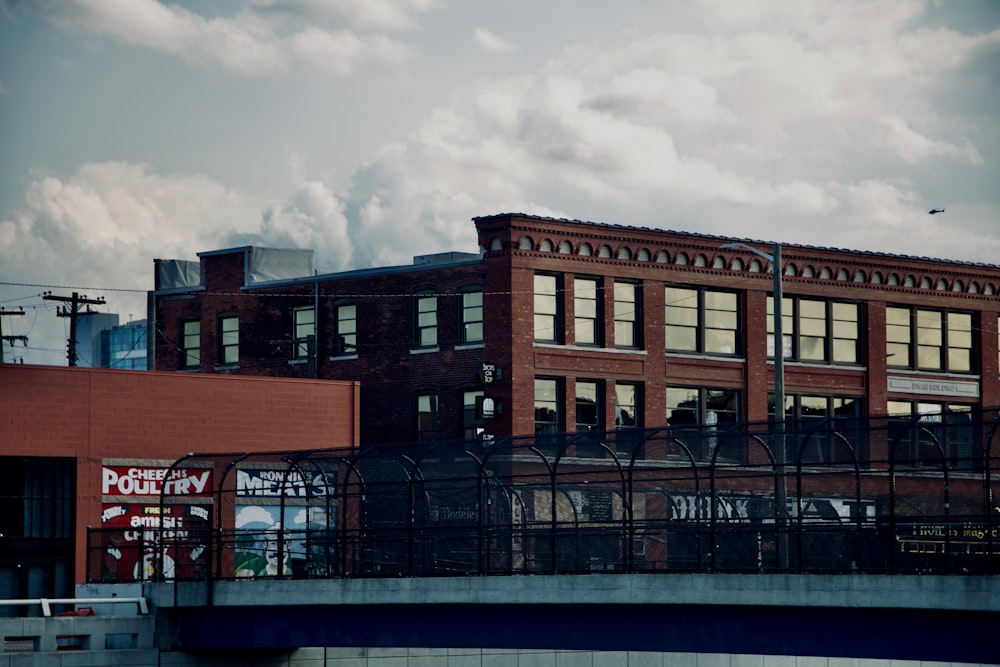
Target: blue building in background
x,y
124,346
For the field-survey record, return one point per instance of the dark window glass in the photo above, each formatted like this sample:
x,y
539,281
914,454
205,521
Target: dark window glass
x,y
304,326
191,344
346,330
229,339
472,317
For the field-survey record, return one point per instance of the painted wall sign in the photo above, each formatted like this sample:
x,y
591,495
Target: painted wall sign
x,y
908,385
270,483
151,481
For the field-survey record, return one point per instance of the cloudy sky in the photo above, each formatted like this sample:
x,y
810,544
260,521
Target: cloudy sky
x,y
373,130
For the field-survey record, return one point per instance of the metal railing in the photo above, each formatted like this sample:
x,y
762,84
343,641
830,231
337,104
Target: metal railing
x,y
873,495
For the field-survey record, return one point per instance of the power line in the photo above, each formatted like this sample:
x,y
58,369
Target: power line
x,y
11,339
72,311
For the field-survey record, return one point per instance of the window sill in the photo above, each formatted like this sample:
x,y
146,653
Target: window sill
x,y
297,362
425,350
343,357
227,367
471,346
598,350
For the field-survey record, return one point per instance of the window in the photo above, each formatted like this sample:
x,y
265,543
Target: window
x,y
36,497
547,417
589,417
472,317
304,326
701,320
587,311
589,406
346,330
628,400
627,315
426,317
928,339
191,344
471,423
816,330
626,405
548,311
822,429
229,340
923,430
697,415
427,418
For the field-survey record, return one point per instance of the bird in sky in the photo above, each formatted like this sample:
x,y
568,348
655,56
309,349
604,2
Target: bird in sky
x,y
935,210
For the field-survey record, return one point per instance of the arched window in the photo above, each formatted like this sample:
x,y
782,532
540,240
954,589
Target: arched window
x,y
586,250
545,245
604,251
526,243
624,253
565,248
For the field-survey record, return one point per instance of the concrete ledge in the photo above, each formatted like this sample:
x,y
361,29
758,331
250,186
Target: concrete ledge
x,y
964,593
81,633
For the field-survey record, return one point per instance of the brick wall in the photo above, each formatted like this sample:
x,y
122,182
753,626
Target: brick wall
x,y
95,414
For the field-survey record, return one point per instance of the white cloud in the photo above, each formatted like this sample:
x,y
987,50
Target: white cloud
x,y
492,43
102,226
788,127
250,43
393,15
912,146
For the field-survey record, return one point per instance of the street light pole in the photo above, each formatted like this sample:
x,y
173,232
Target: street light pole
x,y
780,455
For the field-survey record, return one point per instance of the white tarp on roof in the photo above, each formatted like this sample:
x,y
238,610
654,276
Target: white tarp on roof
x,y
279,264
176,273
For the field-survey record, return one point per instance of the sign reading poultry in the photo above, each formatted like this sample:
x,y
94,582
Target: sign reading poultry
x,y
152,481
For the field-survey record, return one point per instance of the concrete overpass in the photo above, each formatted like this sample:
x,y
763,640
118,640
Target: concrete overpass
x,y
929,618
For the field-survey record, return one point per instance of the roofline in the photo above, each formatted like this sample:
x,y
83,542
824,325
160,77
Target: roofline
x,y
373,272
713,237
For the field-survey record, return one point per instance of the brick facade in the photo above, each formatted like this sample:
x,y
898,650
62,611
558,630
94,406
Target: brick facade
x,y
97,415
514,248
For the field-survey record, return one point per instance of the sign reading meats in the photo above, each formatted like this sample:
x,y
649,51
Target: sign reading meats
x,y
151,481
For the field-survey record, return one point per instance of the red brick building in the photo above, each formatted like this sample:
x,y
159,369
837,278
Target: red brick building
x,y
82,446
592,326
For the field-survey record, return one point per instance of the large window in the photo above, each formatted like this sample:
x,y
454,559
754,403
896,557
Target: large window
x,y
229,340
627,405
303,327
191,344
628,316
472,317
426,319
587,297
701,320
548,308
817,330
345,335
926,433
589,417
699,416
427,418
589,406
823,429
547,400
933,340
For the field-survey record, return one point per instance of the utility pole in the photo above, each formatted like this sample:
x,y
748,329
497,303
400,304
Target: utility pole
x,y
72,311
23,339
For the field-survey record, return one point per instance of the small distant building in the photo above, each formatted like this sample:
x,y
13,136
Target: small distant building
x,y
124,346
90,326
